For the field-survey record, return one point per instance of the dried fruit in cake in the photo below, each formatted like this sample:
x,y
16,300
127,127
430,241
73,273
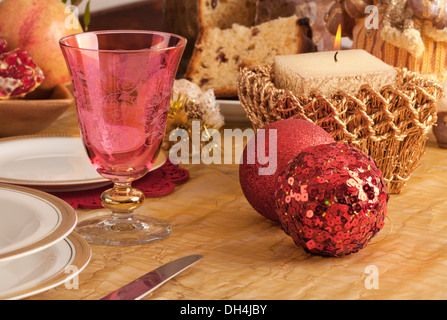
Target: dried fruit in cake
x,y
224,13
219,54
19,74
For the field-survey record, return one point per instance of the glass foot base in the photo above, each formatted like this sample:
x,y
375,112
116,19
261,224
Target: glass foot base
x,y
100,227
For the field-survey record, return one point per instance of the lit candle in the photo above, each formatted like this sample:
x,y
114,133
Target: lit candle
x,y
329,72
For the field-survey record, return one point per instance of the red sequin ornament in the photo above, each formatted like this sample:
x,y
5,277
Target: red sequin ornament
x,y
331,199
292,136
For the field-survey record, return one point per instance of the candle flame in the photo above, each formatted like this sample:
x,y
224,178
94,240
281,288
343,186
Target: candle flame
x,y
337,42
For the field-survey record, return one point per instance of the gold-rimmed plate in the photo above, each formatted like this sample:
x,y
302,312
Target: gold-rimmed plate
x,y
43,270
31,220
52,163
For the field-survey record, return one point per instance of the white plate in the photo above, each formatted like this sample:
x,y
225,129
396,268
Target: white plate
x,y
233,112
31,220
50,163
45,269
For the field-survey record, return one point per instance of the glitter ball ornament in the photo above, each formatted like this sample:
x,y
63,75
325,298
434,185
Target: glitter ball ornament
x,y
292,136
331,199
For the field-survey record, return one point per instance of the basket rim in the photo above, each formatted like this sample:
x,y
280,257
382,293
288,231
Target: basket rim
x,y
395,136
276,102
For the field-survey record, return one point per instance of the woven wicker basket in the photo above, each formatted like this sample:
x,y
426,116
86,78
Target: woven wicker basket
x,y
390,125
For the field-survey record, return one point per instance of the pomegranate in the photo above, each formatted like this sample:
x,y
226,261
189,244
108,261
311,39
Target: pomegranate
x,y
36,26
19,74
3,46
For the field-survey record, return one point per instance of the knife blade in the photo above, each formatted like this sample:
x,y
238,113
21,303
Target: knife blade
x,y
147,283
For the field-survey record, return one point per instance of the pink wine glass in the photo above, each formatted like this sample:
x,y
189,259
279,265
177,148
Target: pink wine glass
x,y
122,83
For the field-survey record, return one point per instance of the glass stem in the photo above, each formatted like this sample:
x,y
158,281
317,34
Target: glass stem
x,y
122,200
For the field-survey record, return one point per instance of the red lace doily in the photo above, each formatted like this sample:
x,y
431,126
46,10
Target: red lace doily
x,y
156,183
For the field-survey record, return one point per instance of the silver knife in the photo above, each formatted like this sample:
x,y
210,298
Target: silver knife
x,y
144,285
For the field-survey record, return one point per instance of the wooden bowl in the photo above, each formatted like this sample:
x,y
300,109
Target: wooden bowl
x,y
23,116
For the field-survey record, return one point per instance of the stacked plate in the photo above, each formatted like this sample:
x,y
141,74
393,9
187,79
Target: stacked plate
x,y
233,113
38,248
51,163
48,163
